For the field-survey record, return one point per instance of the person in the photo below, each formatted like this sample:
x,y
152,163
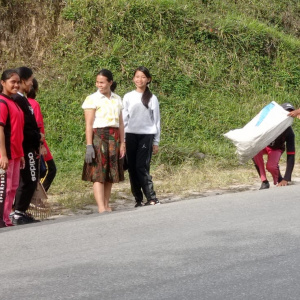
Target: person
x,y
141,117
11,138
286,140
104,139
45,151
31,143
295,113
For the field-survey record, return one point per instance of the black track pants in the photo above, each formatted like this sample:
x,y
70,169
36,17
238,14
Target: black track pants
x,y
139,152
28,182
50,174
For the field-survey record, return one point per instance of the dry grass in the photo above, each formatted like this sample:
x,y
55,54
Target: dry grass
x,y
190,179
171,184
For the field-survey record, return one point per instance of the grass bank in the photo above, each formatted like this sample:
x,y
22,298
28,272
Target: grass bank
x,y
215,64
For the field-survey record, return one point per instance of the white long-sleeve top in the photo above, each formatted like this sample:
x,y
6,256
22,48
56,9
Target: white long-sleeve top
x,y
141,120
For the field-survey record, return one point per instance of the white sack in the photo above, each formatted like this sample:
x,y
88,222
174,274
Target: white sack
x,y
263,129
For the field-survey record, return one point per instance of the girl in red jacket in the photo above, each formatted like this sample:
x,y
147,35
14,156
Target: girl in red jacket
x,y
11,138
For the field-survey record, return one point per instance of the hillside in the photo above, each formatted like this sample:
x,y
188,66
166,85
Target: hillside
x,y
215,64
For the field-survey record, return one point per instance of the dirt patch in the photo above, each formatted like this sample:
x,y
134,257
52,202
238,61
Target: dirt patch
x,y
123,201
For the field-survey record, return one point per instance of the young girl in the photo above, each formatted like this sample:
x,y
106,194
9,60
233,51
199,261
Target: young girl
x,y
104,139
31,144
142,134
45,151
11,138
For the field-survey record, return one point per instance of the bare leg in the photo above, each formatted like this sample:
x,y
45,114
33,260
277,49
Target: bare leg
x,y
107,192
98,188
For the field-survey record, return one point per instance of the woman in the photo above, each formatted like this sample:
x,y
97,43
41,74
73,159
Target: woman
x,y
45,151
31,144
142,134
11,138
104,139
284,142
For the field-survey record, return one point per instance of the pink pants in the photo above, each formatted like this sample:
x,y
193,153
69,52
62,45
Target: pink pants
x,y
12,183
272,163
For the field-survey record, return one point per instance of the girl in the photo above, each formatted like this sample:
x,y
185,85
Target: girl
x,y
142,134
11,138
31,144
45,151
104,139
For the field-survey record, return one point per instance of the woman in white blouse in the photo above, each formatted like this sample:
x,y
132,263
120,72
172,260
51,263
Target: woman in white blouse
x,y
105,144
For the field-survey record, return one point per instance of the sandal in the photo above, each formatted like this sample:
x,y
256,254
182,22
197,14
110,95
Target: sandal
x,y
152,202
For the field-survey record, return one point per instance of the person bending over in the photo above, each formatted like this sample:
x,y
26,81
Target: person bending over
x,y
285,141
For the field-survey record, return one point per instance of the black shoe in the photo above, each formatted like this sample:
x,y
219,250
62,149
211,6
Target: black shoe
x,y
138,204
264,185
22,219
2,224
152,202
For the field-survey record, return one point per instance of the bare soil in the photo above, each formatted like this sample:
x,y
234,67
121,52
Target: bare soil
x,y
123,201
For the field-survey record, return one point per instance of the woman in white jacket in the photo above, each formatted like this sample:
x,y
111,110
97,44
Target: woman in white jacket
x,y
142,135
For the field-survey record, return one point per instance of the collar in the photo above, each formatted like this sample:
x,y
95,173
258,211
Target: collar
x,y
112,95
7,97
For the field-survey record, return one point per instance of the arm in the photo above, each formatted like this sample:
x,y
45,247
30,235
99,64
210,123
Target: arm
x,y
40,123
156,139
125,112
3,159
294,113
122,136
3,119
32,133
89,115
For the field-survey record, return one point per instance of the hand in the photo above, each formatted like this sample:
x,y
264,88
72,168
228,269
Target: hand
x,y
89,154
294,113
42,137
43,150
122,150
4,162
22,163
282,183
155,149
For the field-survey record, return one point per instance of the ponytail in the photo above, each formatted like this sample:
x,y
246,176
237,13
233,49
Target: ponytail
x,y
146,97
32,93
113,86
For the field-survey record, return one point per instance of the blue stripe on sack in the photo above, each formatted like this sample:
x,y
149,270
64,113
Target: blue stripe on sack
x,y
264,113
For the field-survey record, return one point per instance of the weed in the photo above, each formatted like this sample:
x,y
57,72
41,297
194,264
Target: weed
x,y
215,64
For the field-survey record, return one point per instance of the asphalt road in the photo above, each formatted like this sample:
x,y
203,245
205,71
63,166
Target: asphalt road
x,y
233,246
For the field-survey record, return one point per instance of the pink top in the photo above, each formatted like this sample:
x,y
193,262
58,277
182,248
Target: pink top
x,y
40,122
12,119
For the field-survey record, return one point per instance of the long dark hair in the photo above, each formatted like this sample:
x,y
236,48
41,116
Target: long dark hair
x,y
147,93
35,86
24,73
108,74
7,74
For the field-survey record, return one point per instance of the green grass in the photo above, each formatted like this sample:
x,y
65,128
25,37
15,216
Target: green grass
x,y
215,64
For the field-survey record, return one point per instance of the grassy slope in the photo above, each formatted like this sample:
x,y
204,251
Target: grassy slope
x,y
215,64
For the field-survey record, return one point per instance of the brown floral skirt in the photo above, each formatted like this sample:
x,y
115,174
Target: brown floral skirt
x,y
106,167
